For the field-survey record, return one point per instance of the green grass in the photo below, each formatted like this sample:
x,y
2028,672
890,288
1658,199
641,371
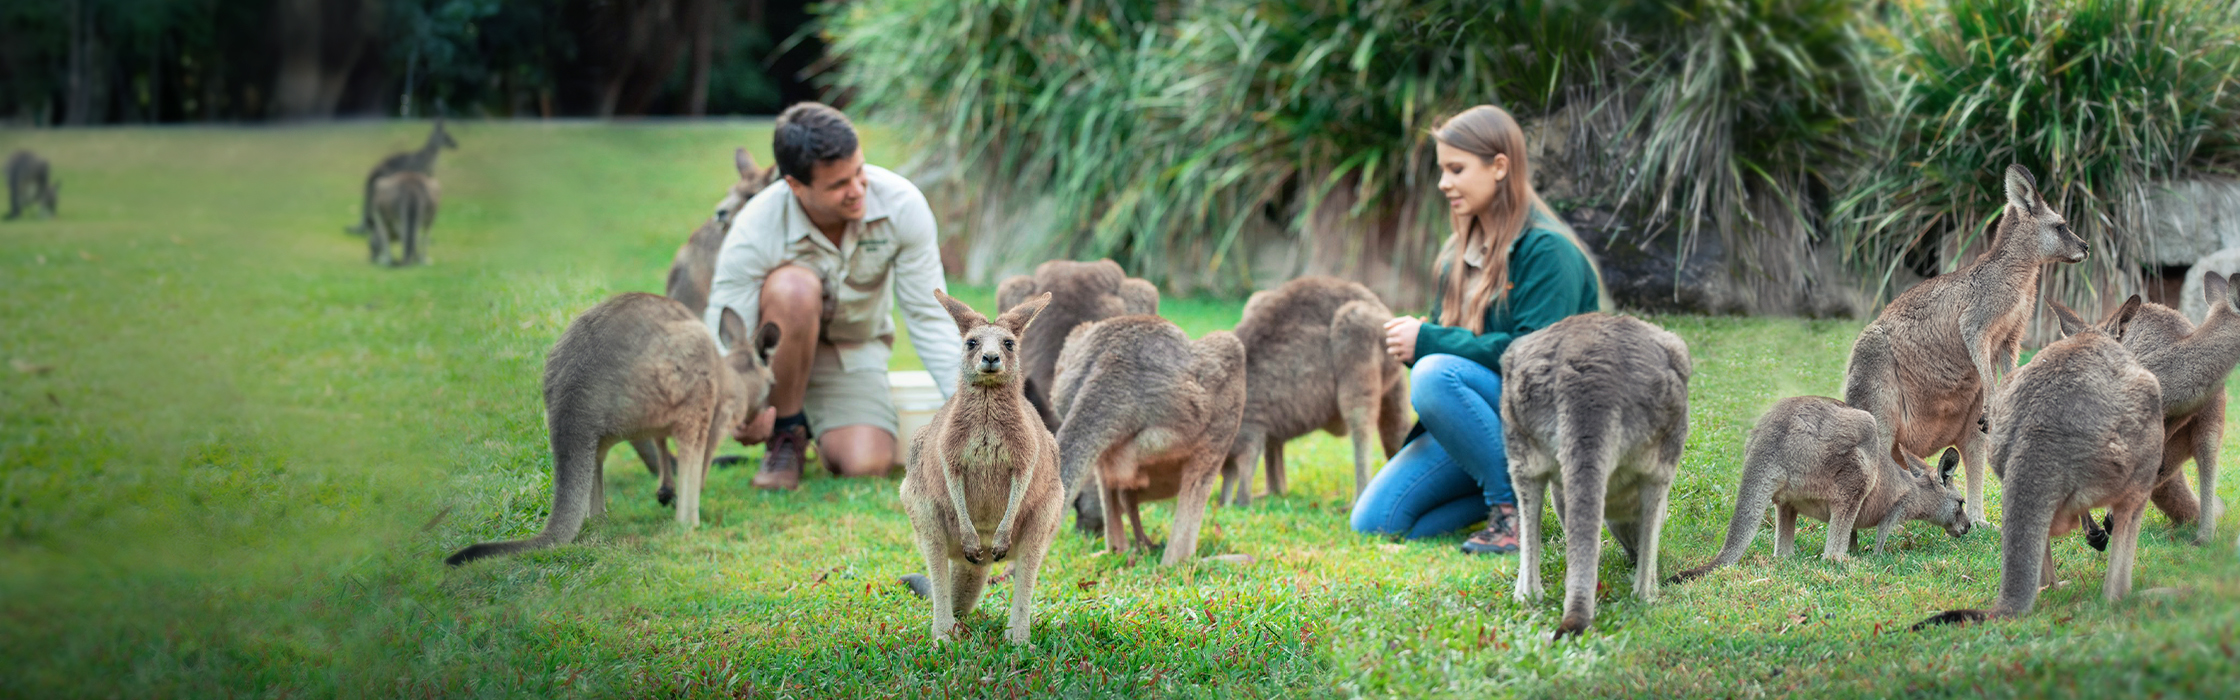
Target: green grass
x,y
252,450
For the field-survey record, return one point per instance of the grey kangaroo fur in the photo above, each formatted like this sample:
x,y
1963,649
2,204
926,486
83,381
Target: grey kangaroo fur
x,y
983,480
1814,456
2191,363
404,207
1081,292
1147,414
1924,367
639,366
30,184
422,161
2078,428
1314,359
1595,406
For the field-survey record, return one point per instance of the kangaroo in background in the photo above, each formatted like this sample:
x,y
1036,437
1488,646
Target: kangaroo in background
x,y
1595,406
983,479
1814,456
1924,368
1147,414
30,184
1314,359
422,161
1081,292
694,267
2191,363
2078,428
639,366
404,207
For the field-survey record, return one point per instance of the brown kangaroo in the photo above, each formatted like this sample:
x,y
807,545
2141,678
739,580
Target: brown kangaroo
x,y
1147,414
422,161
2191,363
639,366
1314,359
983,480
2078,428
1814,456
1595,406
1924,367
1081,292
30,185
404,207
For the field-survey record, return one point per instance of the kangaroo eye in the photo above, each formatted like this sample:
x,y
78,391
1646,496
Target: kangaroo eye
x,y
970,344
1007,344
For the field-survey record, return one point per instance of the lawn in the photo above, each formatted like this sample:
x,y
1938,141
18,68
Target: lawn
x,y
232,456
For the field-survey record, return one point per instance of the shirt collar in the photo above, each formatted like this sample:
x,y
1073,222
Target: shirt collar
x,y
798,225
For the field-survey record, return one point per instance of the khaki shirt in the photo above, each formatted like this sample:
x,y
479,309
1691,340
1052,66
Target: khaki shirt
x,y
890,257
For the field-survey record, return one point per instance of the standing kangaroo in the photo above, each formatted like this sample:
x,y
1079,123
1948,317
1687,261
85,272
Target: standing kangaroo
x,y
1814,456
404,207
1314,359
1081,292
30,185
984,469
1596,406
2191,363
639,366
2078,428
422,161
694,267
1925,366
1147,414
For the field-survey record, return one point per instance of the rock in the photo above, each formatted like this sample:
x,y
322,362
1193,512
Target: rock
x,y
1646,275
2191,219
2190,303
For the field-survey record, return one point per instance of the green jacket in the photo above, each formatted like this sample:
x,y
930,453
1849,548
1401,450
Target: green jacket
x,y
1551,281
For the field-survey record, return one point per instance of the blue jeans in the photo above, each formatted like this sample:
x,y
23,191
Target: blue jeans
x,y
1450,477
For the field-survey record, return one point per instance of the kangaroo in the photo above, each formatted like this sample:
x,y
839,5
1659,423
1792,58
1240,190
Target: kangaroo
x,y
1814,456
1595,406
1314,359
2191,363
1081,292
30,185
1925,366
984,468
2078,428
694,267
1147,414
639,366
404,206
422,161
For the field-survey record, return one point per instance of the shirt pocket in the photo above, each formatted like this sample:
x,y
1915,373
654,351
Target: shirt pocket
x,y
868,269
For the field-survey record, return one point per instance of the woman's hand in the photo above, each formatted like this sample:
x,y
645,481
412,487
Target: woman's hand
x,y
756,430
1400,338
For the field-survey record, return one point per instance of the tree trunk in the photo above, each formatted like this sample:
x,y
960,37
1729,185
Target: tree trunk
x,y
78,103
704,20
295,93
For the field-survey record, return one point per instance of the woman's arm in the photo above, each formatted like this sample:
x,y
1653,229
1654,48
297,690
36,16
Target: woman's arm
x,y
1552,282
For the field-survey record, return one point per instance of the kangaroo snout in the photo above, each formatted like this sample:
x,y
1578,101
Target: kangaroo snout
x,y
991,362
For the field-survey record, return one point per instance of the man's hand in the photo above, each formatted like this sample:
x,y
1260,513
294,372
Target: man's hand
x,y
1400,337
757,430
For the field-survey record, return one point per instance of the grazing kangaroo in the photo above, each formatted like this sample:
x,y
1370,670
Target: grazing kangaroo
x,y
1146,414
1814,456
404,206
1314,359
639,366
30,184
422,161
2191,363
984,469
2078,428
1925,366
1081,292
1597,407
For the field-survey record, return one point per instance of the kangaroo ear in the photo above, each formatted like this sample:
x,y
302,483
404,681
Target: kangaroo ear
x,y
2022,189
2214,288
732,330
2071,323
2124,315
1018,317
2232,290
1945,465
966,318
1139,297
1013,292
765,340
744,161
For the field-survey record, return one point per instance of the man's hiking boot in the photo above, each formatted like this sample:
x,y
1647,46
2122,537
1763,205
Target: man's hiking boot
x,y
782,458
1500,535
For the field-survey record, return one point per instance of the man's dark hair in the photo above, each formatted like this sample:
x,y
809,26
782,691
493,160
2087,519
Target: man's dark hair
x,y
810,133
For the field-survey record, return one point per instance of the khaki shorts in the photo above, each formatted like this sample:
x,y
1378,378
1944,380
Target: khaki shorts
x,y
838,398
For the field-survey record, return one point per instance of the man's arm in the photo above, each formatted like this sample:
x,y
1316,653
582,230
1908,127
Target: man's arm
x,y
917,272
741,265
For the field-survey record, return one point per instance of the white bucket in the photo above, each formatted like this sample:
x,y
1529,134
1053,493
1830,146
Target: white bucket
x,y
915,401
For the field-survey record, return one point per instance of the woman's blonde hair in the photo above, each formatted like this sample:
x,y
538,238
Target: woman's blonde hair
x,y
1487,131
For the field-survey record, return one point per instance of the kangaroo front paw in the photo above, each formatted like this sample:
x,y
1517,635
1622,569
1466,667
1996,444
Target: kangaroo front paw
x,y
976,554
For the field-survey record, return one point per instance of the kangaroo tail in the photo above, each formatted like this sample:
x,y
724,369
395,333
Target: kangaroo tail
x,y
575,465
1750,505
1588,454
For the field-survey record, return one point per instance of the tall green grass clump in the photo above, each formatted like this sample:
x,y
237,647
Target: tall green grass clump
x,y
2103,100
